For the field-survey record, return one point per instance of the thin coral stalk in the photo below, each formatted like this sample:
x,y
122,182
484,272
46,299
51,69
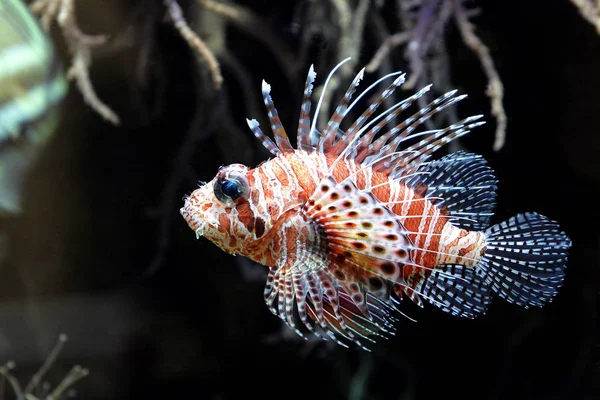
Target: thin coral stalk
x,y
195,42
254,25
79,44
495,89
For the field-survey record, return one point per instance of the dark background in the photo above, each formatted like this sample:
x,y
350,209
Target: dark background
x,y
102,207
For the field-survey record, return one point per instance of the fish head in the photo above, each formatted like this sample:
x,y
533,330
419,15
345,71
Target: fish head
x,y
220,211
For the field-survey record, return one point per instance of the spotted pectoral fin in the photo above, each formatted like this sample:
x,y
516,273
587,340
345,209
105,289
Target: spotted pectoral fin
x,y
307,293
359,229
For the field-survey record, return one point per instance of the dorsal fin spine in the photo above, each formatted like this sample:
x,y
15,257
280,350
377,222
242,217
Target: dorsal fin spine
x,y
281,138
303,136
340,112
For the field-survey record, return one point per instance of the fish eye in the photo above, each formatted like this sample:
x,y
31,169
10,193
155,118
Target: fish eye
x,y
230,189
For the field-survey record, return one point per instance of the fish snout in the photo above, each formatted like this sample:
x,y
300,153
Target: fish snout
x,y
192,217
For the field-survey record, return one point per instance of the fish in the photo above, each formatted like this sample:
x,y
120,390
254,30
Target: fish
x,y
354,220
32,88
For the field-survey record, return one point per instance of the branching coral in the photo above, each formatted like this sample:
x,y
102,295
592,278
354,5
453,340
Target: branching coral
x,y
37,388
424,22
254,25
197,44
80,46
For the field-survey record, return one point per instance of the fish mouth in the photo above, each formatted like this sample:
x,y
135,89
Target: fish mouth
x,y
195,223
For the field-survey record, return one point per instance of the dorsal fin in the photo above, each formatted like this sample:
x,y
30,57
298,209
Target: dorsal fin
x,y
330,132
463,184
364,141
281,138
303,141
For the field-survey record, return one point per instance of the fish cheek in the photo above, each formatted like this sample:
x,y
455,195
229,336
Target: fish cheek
x,y
224,223
253,223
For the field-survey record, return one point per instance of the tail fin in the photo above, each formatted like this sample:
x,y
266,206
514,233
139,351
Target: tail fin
x,y
525,259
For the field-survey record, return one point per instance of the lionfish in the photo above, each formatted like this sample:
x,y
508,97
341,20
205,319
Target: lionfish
x,y
352,221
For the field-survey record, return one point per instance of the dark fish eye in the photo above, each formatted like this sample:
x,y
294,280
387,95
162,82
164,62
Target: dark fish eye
x,y
230,189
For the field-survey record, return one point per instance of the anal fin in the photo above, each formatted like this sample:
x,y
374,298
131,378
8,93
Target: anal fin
x,y
456,289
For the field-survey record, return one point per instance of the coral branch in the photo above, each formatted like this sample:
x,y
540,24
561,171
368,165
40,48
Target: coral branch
x,y
195,42
79,44
256,26
351,25
36,379
423,22
58,392
388,45
495,88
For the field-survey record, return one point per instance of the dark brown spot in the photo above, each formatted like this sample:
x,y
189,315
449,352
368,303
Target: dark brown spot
x,y
378,249
335,216
259,227
391,236
347,254
325,188
347,204
347,188
388,268
367,225
389,224
359,245
311,202
363,200
357,298
340,258
353,287
401,253
377,211
331,208
352,214
339,275
375,283
463,251
350,225
327,284
318,207
334,196
362,235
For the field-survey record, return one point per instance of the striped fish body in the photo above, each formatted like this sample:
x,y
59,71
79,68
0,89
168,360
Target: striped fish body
x,y
296,176
351,223
32,85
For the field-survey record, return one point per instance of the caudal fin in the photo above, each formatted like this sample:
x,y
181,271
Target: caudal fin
x,y
525,259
